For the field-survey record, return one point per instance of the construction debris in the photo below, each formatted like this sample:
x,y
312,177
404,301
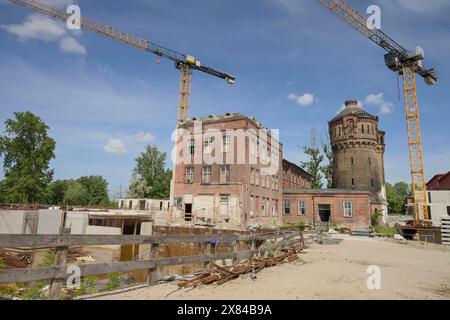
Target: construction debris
x,y
11,260
221,275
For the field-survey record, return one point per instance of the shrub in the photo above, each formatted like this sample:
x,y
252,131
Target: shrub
x,y
87,286
375,219
114,282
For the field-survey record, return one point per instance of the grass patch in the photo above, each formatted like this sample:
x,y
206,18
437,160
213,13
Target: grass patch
x,y
385,230
87,286
114,282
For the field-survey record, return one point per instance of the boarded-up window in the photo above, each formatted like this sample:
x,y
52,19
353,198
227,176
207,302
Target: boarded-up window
x,y
189,175
207,145
224,173
224,204
206,174
226,144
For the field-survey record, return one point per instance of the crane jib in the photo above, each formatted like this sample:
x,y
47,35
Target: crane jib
x,y
122,36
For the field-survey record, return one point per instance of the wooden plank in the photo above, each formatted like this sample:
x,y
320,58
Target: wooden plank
x,y
151,276
207,251
59,272
56,285
45,241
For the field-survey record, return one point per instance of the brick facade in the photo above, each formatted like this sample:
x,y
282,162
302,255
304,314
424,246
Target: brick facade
x,y
439,182
358,154
234,191
358,150
222,181
313,206
295,177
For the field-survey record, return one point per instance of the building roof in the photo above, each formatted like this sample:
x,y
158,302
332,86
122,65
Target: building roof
x,y
352,107
323,191
288,163
437,178
228,116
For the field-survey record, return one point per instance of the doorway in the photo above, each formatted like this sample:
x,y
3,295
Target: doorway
x,y
324,212
188,212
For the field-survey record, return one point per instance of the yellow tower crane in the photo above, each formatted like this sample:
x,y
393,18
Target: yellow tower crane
x,y
185,63
408,64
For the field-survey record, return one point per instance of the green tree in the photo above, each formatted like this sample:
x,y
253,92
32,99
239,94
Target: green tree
x,y
149,178
76,194
27,150
56,192
2,192
97,190
395,201
313,163
403,189
327,170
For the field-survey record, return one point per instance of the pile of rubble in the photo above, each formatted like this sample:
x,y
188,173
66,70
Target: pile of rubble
x,y
220,275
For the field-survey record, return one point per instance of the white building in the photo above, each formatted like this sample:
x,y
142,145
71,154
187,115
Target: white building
x,y
438,205
144,204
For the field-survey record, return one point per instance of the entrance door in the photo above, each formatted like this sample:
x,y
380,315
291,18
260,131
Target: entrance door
x,y
324,212
188,212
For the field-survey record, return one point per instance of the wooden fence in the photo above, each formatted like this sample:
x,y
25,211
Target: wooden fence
x,y
58,273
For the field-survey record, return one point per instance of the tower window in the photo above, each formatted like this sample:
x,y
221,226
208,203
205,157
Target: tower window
x,y
371,182
370,161
353,182
351,160
362,128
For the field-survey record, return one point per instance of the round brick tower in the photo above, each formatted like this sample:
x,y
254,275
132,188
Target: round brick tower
x,y
358,149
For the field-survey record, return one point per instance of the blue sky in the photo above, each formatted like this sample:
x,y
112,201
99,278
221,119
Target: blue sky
x,y
294,61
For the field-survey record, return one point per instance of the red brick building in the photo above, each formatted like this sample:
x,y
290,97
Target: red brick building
x,y
341,207
295,177
439,182
229,173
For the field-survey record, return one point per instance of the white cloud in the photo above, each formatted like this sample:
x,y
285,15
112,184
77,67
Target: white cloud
x,y
36,26
377,100
70,45
39,27
303,100
144,137
115,146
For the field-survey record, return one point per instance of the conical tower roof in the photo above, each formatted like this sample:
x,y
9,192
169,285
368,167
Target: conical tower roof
x,y
353,108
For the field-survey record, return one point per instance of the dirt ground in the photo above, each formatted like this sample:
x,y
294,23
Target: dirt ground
x,y
408,271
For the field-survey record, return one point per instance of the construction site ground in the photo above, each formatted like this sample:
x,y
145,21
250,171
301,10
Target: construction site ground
x,y
409,270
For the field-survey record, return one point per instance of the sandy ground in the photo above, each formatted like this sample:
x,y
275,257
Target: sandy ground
x,y
408,271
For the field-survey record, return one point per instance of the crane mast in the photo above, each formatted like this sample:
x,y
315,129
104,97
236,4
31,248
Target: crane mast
x,y
407,63
185,63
